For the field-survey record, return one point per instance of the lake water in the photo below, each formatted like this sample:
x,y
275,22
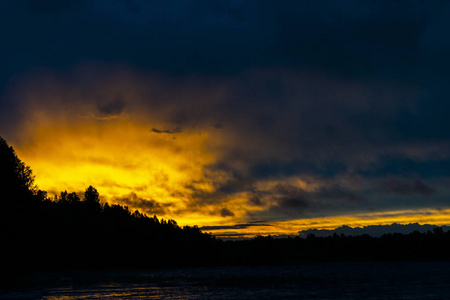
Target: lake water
x,y
400,280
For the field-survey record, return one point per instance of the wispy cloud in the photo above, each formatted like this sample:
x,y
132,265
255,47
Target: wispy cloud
x,y
168,131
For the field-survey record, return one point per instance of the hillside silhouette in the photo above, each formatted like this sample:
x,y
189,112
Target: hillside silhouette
x,y
373,230
67,231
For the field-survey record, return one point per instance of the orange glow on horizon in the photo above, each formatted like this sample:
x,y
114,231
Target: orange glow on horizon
x,y
292,227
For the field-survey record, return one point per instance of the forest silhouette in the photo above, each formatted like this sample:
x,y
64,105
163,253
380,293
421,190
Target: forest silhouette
x,y
40,233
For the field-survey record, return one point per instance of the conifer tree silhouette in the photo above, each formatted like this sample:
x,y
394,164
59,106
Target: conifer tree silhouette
x,y
16,178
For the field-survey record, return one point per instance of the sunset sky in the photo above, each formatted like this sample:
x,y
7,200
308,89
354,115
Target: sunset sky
x,y
241,117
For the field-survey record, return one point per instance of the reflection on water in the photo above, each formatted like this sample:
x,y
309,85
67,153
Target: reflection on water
x,y
308,281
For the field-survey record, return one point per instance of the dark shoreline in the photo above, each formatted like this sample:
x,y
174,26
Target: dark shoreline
x,y
260,251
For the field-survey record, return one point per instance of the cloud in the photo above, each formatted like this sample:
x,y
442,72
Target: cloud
x,y
235,226
149,206
168,131
263,108
225,212
275,169
320,148
421,188
402,187
111,109
226,182
426,163
290,199
339,192
255,200
373,39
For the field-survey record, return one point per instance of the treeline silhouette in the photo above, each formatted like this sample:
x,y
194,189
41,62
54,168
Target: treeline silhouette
x,y
72,232
415,246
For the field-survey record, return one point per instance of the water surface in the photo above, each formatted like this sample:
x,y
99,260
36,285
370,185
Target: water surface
x,y
405,280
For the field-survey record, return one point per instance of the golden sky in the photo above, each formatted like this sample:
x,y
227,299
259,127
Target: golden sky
x,y
173,147
243,117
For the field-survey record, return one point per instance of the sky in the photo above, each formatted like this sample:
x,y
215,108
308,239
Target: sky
x,y
241,117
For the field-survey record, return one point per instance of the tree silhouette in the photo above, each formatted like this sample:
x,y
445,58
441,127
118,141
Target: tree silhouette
x,y
91,195
16,178
73,198
63,197
92,199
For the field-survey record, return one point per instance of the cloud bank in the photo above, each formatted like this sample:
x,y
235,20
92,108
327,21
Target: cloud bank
x,y
223,113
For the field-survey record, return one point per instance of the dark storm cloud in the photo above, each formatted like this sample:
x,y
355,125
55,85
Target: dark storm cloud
x,y
339,192
402,187
290,199
231,181
320,118
255,200
402,165
275,169
112,108
221,193
297,203
225,212
421,188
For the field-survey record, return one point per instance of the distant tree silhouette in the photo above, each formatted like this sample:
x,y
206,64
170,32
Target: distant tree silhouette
x,y
438,231
63,197
41,195
73,198
91,195
92,199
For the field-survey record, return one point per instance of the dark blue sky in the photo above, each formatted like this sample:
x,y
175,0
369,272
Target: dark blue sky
x,y
400,41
